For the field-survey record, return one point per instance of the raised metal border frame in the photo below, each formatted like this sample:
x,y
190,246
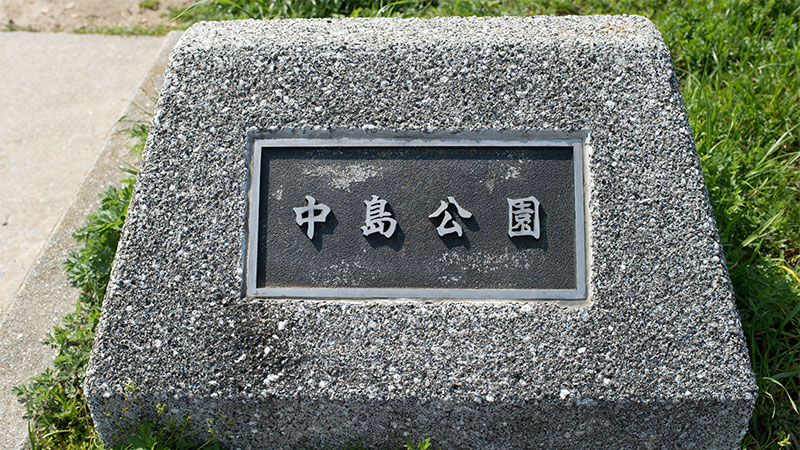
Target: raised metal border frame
x,y
257,144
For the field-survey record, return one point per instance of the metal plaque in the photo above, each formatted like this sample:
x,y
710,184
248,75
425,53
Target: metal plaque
x,y
438,218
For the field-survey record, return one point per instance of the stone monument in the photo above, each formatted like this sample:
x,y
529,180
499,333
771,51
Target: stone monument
x,y
490,232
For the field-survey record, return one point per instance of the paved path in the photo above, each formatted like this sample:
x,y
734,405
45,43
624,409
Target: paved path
x,y
61,95
71,15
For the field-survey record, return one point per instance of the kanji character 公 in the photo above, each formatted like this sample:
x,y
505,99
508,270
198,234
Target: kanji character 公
x,y
454,227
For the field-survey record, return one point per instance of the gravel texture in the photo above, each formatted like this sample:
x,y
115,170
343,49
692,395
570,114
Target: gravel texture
x,y
656,358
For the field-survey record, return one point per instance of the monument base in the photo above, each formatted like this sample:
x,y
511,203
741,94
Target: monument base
x,y
653,357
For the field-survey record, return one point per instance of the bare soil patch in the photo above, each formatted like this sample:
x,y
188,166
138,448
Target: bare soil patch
x,y
87,15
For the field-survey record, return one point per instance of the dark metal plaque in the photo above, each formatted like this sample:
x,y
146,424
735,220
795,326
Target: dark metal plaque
x,y
417,218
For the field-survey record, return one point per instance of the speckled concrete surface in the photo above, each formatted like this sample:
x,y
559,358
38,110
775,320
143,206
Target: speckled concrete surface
x,y
656,358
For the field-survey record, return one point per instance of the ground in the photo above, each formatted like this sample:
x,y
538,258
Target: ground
x,y
70,15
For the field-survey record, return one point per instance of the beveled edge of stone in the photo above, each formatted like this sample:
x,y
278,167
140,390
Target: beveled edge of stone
x,y
211,40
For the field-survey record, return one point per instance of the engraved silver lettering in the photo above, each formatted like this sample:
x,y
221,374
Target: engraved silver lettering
x,y
309,215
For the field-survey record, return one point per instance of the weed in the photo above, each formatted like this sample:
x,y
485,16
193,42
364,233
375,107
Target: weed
x,y
227,9
168,434
11,26
423,445
149,4
129,30
55,404
138,133
164,438
54,400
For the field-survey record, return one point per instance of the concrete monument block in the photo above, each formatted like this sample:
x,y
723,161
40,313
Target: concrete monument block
x,y
490,232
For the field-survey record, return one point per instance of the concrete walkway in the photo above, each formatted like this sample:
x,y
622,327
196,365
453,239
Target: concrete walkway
x,y
61,95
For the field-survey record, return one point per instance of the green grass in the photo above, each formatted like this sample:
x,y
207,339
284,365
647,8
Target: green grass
x,y
149,4
129,30
11,26
227,10
739,68
54,400
56,407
